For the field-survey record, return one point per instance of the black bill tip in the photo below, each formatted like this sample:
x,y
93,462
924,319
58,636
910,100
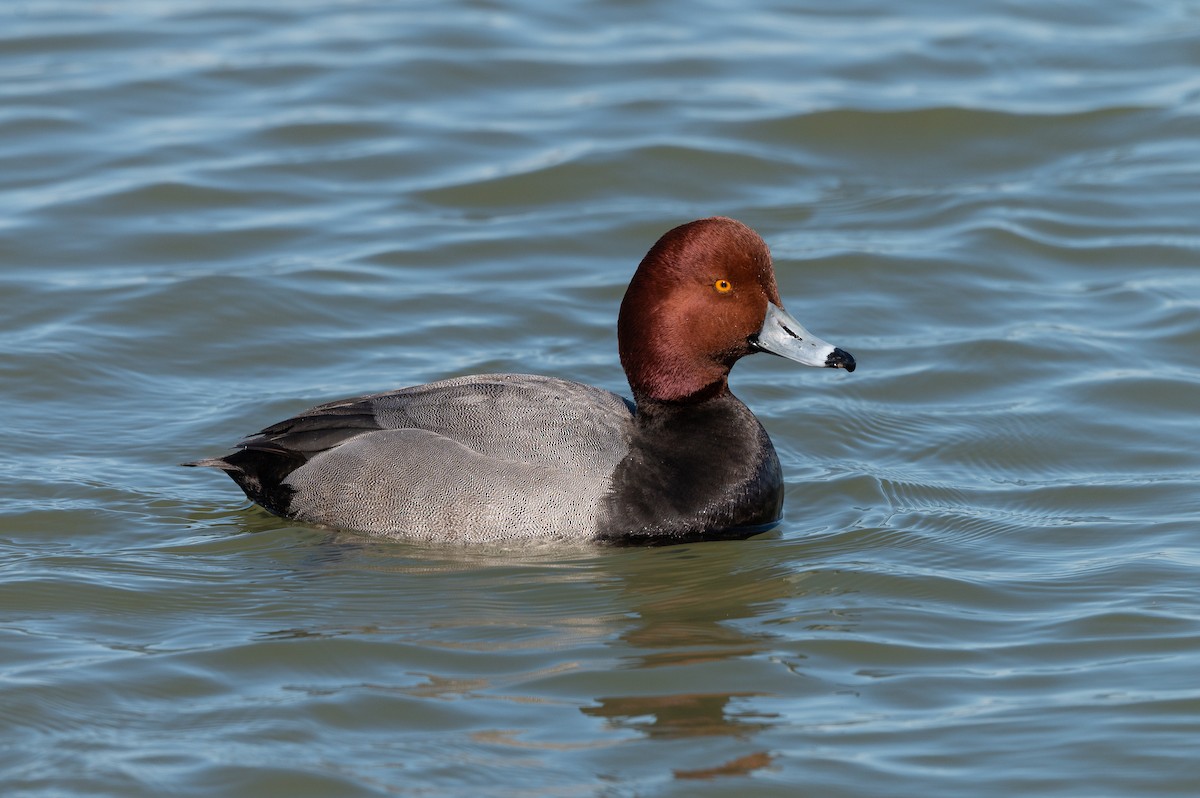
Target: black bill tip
x,y
840,359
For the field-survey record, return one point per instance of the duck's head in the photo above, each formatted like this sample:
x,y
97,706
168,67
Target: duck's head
x,y
703,297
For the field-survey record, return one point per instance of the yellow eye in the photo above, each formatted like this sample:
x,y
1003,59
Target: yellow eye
x,y
723,286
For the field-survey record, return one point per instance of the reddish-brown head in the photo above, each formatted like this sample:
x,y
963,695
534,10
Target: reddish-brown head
x,y
703,297
696,301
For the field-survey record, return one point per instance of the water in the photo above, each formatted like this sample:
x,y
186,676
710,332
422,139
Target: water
x,y
215,214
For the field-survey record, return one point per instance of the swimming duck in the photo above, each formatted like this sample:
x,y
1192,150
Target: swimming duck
x,y
516,456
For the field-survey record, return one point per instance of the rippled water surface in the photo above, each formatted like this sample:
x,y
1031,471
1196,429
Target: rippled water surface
x,y
214,214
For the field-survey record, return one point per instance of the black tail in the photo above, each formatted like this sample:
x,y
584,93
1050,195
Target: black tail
x,y
260,471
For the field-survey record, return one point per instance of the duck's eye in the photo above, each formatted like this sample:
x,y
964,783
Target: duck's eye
x,y
723,286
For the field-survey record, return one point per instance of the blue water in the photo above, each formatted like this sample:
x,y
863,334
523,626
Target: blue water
x,y
213,215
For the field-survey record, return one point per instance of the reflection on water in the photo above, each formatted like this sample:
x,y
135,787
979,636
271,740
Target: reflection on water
x,y
681,715
742,766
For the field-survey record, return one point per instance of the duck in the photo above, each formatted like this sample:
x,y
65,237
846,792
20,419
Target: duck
x,y
511,457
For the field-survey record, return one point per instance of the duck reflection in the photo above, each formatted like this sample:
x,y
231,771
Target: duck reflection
x,y
682,715
687,602
688,617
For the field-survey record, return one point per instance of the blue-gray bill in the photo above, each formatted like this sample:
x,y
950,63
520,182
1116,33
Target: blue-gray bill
x,y
782,335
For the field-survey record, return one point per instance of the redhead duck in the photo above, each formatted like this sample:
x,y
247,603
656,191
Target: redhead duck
x,y
509,456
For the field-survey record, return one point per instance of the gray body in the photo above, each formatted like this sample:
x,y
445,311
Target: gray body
x,y
474,458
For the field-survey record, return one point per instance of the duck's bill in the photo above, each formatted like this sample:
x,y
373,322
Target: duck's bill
x,y
782,335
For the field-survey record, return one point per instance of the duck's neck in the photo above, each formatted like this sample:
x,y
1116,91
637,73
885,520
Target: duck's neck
x,y
698,469
676,379
671,393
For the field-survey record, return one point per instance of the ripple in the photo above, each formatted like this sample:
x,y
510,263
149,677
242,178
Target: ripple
x,y
581,178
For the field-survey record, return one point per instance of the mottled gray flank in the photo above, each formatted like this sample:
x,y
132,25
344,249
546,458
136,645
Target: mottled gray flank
x,y
476,458
525,417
